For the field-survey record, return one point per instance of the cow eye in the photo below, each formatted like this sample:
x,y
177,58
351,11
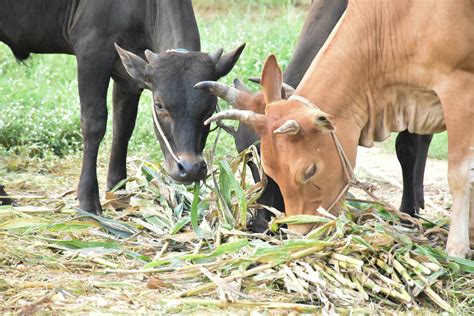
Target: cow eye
x,y
309,172
158,106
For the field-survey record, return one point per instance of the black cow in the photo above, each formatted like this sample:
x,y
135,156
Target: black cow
x,y
88,29
412,149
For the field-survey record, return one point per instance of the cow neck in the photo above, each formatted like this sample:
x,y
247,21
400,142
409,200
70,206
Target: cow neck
x,y
345,162
346,74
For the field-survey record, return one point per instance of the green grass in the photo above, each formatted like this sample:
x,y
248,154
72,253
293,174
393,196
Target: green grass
x,y
40,105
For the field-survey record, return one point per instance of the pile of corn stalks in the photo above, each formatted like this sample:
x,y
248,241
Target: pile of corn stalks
x,y
363,256
193,246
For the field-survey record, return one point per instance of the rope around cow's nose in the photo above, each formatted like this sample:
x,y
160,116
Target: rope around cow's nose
x,y
162,134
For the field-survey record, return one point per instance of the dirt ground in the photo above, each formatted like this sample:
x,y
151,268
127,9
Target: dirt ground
x,y
382,169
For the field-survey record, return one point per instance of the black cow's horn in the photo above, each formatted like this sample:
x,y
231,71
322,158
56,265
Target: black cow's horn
x,y
239,85
229,94
216,55
255,79
289,90
290,127
151,57
244,116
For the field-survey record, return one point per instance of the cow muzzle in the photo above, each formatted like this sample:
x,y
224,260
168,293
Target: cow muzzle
x,y
187,169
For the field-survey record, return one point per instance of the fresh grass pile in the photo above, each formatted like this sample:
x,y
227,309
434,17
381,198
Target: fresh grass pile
x,y
170,248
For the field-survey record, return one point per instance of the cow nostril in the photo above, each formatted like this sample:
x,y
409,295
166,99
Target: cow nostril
x,y
182,169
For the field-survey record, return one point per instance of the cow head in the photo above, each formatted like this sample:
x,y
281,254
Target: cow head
x,y
180,109
297,149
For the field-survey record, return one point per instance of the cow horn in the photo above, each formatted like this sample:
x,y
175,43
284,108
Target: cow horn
x,y
151,57
244,116
255,79
290,127
287,89
239,85
216,55
223,91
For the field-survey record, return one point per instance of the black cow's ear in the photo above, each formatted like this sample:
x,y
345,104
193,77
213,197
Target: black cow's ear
x,y
135,66
226,62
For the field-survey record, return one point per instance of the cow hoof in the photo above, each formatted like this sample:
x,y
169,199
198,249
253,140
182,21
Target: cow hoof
x,y
98,213
91,210
5,200
470,254
457,251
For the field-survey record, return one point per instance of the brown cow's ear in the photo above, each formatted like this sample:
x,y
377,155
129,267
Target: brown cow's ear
x,y
225,63
135,66
286,90
272,80
322,121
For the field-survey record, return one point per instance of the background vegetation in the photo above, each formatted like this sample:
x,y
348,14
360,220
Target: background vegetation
x,y
39,104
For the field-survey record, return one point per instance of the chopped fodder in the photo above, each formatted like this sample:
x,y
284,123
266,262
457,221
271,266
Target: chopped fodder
x,y
173,248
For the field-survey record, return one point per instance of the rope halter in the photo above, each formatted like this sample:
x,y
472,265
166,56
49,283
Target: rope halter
x,y
162,134
346,164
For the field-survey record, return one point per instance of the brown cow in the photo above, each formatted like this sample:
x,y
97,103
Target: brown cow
x,y
387,66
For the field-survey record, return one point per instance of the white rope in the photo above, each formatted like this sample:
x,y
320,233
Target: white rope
x,y
162,134
346,164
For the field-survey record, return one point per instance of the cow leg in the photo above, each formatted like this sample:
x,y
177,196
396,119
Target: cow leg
x,y
424,142
125,100
459,114
406,146
93,77
271,196
261,218
5,200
